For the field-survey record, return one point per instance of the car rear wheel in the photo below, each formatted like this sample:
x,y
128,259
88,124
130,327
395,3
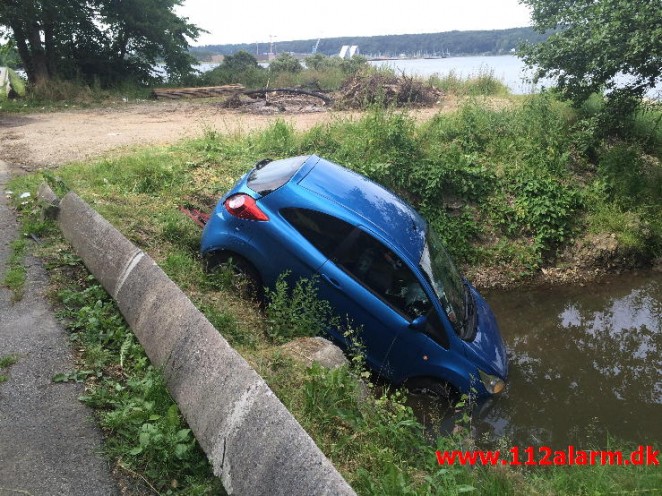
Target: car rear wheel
x,y
233,271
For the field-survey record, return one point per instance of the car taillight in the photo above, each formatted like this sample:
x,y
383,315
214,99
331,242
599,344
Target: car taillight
x,y
244,207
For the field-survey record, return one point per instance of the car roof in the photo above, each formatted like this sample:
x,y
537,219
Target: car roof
x,y
375,206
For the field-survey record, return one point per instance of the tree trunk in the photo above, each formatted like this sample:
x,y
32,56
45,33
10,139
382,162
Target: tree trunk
x,y
23,51
49,44
39,60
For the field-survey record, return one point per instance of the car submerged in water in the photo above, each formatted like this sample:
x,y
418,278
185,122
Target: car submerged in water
x,y
376,260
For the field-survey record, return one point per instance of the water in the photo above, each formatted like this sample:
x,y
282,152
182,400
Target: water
x,y
585,363
509,69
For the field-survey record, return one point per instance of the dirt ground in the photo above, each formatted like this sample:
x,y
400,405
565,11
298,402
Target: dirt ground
x,y
38,140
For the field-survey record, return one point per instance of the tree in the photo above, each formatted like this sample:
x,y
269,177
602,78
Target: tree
x,y
613,46
242,68
320,62
240,62
285,62
102,40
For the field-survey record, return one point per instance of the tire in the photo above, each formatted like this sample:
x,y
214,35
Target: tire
x,y
434,388
230,269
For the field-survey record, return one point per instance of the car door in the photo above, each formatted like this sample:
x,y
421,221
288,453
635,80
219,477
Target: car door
x,y
370,283
369,286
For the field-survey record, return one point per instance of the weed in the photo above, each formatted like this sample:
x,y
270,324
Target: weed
x,y
6,361
297,312
143,425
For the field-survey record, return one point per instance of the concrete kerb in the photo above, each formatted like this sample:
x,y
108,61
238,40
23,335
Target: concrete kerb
x,y
252,441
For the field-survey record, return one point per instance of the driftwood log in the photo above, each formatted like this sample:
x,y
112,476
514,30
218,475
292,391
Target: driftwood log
x,y
202,92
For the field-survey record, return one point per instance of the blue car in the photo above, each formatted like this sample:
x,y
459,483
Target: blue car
x,y
376,260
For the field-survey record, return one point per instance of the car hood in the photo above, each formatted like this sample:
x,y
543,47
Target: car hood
x,y
487,349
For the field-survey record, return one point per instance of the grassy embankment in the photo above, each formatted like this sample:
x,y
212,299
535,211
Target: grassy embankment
x,y
509,188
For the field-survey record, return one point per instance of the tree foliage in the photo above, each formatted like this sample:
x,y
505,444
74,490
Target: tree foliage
x,y
8,55
598,45
285,62
320,62
242,68
106,41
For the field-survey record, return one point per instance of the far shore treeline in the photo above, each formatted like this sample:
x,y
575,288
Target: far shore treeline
x,y
492,42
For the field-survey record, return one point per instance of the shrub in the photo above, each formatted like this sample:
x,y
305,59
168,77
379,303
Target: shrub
x,y
542,207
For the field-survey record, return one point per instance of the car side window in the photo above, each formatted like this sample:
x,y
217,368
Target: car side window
x,y
370,262
323,231
385,274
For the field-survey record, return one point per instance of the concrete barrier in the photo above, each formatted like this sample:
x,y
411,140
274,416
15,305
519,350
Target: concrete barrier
x,y
252,441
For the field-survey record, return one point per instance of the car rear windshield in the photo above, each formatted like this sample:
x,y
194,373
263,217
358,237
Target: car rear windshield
x,y
272,175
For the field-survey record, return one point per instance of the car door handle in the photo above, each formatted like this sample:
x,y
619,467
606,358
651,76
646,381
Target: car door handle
x,y
333,282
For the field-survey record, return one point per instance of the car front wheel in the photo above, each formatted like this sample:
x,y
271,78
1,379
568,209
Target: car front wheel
x,y
434,388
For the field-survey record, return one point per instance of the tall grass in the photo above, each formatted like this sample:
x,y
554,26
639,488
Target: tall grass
x,y
65,93
482,84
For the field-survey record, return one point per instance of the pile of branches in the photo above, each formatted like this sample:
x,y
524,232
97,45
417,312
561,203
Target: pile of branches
x,y
383,89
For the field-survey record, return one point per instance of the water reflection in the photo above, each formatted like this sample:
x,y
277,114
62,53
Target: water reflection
x,y
585,362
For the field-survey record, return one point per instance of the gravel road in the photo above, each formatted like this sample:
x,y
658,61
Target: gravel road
x,y
46,139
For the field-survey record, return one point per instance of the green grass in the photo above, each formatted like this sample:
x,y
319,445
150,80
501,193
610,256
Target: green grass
x,y
508,188
16,274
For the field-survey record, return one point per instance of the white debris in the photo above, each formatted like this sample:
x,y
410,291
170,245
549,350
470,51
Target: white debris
x,y
25,195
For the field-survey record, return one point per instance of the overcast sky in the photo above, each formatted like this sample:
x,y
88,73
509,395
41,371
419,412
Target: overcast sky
x,y
249,22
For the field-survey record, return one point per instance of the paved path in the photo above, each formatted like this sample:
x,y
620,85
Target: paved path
x,y
49,444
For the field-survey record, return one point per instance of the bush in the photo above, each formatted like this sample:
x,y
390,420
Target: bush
x,y
543,208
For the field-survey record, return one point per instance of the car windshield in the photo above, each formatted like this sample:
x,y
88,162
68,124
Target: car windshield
x,y
447,283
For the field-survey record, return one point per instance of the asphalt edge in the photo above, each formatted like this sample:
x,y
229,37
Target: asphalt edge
x,y
252,441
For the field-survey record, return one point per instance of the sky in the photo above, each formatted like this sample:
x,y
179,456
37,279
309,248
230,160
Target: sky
x,y
286,20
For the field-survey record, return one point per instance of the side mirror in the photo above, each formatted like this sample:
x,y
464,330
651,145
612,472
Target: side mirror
x,y
419,323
